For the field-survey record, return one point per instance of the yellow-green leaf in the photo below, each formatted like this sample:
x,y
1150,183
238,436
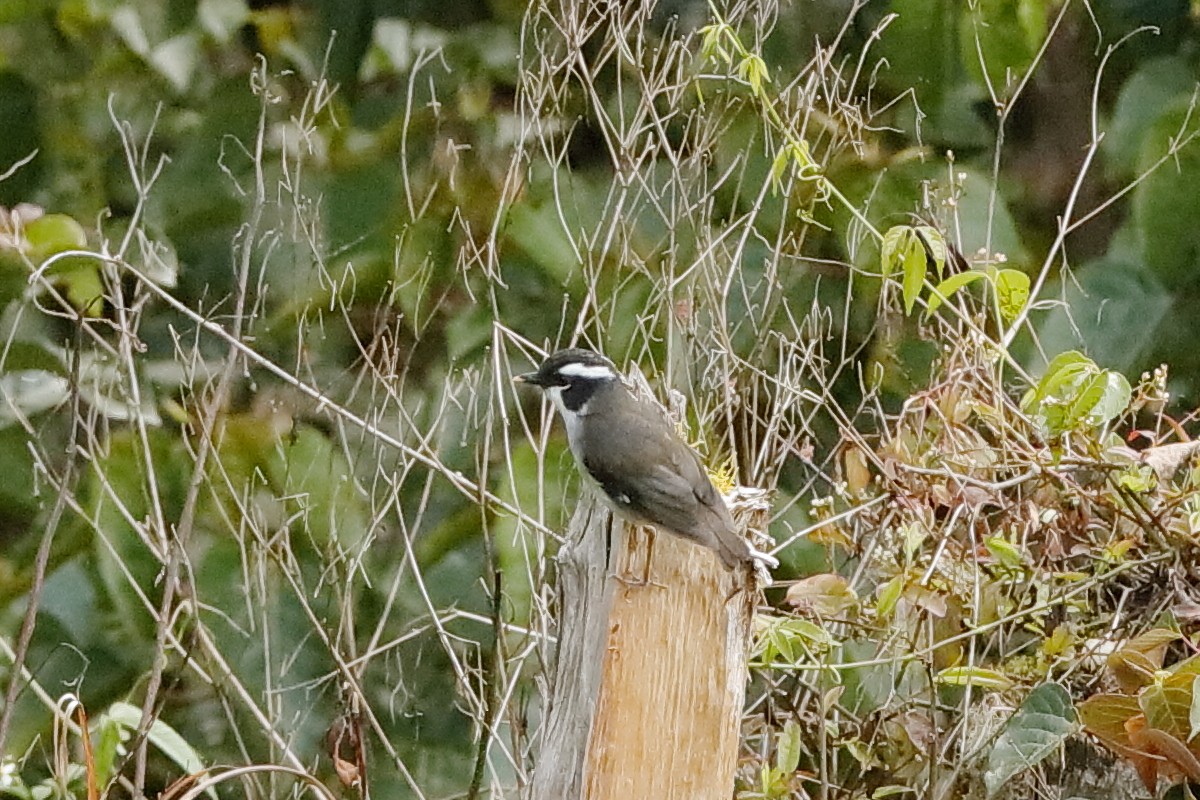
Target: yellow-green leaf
x,y
978,677
53,233
914,272
935,246
891,252
1114,399
1012,292
788,747
888,595
782,159
753,70
946,289
1004,551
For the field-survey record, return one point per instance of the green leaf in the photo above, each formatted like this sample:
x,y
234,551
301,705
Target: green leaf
x,y
782,644
920,48
808,632
222,19
1001,38
778,165
1039,727
1158,84
53,233
914,272
21,356
912,250
1086,396
467,333
127,24
1075,392
915,535
29,392
891,252
313,477
81,282
983,219
935,246
515,549
979,677
1063,375
115,485
1114,306
1114,399
1166,204
107,737
1137,478
1189,666
1031,18
78,276
162,736
1012,292
787,639
1064,369
946,289
710,42
1004,551
753,70
888,595
788,747
1167,703
176,60
538,231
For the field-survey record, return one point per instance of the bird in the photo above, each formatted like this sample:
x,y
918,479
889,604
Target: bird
x,y
627,447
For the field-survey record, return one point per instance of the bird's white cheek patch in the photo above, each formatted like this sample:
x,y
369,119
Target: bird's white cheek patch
x,y
589,371
555,395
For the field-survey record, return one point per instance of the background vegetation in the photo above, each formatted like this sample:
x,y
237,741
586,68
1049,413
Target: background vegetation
x,y
270,498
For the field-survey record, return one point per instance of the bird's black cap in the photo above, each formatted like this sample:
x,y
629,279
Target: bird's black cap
x,y
570,365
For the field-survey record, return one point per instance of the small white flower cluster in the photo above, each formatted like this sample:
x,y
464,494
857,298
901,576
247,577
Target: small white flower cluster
x,y
12,224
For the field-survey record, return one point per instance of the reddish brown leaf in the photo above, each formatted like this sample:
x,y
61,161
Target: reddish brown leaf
x,y
180,787
1176,752
347,772
1135,663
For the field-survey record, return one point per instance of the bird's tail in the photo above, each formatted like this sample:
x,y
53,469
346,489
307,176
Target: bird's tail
x,y
734,551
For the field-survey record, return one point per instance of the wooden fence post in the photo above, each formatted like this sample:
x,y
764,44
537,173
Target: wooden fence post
x,y
649,680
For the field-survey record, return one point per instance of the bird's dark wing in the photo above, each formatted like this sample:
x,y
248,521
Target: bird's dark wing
x,y
651,475
658,479
691,469
659,496
711,523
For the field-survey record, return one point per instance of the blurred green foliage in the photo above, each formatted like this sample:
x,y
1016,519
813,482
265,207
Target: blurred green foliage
x,y
388,135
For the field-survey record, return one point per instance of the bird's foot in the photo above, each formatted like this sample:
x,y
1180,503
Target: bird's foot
x,y
635,583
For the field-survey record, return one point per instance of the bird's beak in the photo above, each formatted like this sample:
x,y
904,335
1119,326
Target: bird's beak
x,y
528,377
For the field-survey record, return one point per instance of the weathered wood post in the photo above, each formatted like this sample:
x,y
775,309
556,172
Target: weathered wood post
x,y
649,680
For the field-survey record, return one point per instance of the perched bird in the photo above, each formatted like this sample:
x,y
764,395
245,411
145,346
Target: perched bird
x,y
627,446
